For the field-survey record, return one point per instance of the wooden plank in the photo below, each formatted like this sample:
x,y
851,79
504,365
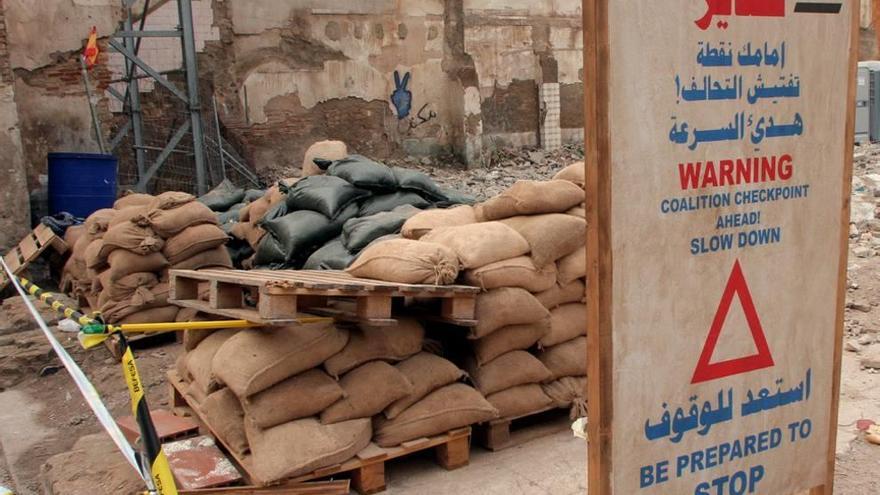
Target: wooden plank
x,y
28,246
273,307
225,295
831,455
458,308
341,487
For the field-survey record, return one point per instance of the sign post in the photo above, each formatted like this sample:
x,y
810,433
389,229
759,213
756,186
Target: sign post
x,y
719,162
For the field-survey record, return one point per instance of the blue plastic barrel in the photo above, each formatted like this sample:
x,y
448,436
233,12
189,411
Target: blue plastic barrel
x,y
81,183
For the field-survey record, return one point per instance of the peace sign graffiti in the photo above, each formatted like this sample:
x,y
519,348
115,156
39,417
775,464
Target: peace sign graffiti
x,y
401,97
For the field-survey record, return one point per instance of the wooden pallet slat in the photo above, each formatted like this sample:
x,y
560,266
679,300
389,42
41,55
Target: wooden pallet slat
x,y
367,468
29,249
503,433
281,295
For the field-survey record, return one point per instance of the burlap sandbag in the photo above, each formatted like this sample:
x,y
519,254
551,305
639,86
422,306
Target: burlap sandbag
x,y
196,395
192,241
514,272
426,372
572,266
124,263
423,223
568,321
325,150
124,288
481,243
191,338
574,173
408,262
180,367
520,401
133,214
567,359
508,370
577,211
81,245
550,236
200,359
302,446
569,391
260,207
98,222
503,307
133,200
142,299
169,222
170,200
224,414
527,197
369,389
372,343
447,408
73,234
300,396
131,237
509,338
162,314
217,257
559,295
254,360
92,255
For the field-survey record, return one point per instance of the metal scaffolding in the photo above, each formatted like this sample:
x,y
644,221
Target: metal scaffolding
x,y
127,42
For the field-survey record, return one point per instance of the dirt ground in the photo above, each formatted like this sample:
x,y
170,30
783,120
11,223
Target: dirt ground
x,y
42,413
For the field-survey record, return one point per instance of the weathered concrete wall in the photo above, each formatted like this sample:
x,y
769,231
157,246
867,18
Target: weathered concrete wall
x,y
390,77
14,212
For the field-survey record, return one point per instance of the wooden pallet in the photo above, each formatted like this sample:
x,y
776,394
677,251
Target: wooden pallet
x,y
366,469
29,249
504,433
277,297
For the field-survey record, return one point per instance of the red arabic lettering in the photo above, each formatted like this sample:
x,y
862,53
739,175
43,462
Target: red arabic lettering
x,y
715,7
744,8
760,8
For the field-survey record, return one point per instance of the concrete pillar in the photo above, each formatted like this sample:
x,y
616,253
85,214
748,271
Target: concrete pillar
x,y
14,206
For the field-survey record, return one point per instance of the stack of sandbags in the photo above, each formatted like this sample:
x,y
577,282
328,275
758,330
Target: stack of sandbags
x,y
126,254
76,278
227,201
247,228
526,249
326,219
296,399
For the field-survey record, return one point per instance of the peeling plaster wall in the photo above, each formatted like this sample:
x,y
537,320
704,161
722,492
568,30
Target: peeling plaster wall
x,y
14,214
287,73
516,46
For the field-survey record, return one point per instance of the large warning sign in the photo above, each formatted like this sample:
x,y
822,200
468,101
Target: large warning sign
x,y
718,135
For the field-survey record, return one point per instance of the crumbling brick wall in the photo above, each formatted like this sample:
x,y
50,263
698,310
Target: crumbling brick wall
x,y
14,212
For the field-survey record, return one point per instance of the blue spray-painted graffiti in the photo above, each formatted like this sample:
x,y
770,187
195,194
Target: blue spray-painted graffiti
x,y
401,97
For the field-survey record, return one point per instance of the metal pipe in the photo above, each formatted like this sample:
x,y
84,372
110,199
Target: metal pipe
x,y
219,137
134,100
92,111
188,41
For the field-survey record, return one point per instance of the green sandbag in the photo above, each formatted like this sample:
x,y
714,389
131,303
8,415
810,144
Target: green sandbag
x,y
357,233
323,194
364,173
388,202
415,181
222,197
333,256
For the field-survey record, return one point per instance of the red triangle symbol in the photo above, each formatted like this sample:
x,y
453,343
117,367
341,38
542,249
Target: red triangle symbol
x,y
706,371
